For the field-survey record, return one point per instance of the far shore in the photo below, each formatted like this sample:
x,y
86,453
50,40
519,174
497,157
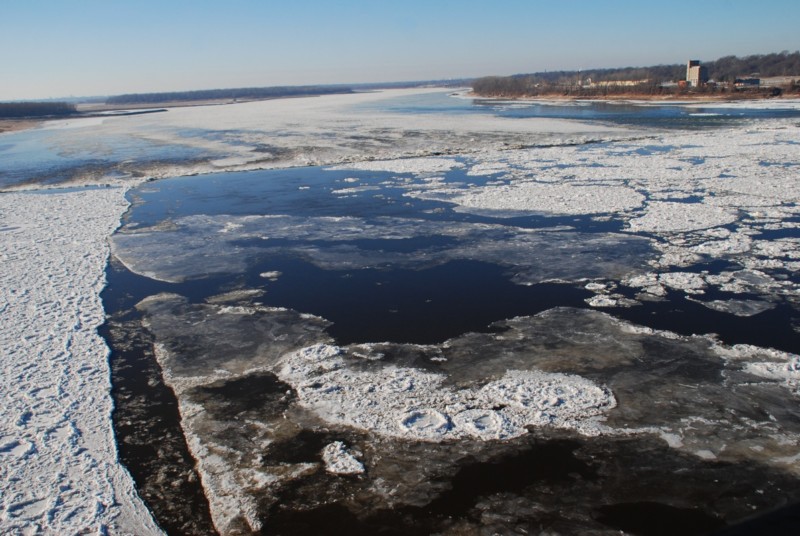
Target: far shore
x,y
685,97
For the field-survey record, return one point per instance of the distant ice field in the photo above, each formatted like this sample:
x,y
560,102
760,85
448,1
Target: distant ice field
x,y
315,131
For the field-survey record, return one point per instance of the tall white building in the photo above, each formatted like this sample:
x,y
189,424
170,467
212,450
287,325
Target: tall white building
x,y
696,74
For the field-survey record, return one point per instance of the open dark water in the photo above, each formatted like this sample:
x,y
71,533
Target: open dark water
x,y
425,303
409,287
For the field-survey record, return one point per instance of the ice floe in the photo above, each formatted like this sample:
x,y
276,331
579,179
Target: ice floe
x,y
60,473
664,217
409,403
766,363
689,282
405,165
533,197
340,460
284,374
738,307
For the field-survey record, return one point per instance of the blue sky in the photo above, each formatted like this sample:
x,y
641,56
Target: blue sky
x,y
59,48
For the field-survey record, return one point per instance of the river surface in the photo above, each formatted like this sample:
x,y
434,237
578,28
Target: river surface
x,y
460,343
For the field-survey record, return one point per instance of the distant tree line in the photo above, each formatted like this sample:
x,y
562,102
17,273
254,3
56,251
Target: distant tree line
x,y
533,85
574,83
728,68
16,110
227,94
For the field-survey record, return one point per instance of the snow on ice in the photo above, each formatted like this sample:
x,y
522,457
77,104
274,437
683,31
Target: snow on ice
x,y
58,458
408,403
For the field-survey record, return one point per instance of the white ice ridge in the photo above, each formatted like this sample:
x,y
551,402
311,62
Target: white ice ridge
x,y
59,472
781,366
413,404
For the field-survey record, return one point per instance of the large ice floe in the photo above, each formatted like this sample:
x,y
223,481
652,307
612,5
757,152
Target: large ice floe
x,y
552,198
197,246
58,458
405,402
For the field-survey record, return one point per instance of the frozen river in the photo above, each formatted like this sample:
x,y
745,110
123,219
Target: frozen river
x,y
463,316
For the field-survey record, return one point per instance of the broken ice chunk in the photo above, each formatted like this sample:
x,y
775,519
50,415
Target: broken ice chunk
x,y
339,460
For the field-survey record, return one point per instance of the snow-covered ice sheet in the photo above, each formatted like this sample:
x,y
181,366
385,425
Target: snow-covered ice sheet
x,y
551,198
58,457
406,403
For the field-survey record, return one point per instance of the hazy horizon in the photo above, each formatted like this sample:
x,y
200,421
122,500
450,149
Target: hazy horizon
x,y
49,49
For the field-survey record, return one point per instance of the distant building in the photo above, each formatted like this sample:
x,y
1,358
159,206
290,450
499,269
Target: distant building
x,y
615,83
696,74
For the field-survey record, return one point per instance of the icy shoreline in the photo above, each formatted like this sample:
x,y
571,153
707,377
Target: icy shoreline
x,y
58,454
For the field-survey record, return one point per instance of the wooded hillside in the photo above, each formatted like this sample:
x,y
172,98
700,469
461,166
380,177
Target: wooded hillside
x,y
725,69
227,94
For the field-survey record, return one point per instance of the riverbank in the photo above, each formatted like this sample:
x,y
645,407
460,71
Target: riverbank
x,y
102,109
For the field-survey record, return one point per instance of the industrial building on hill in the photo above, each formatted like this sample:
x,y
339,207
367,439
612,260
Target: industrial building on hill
x,y
696,74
